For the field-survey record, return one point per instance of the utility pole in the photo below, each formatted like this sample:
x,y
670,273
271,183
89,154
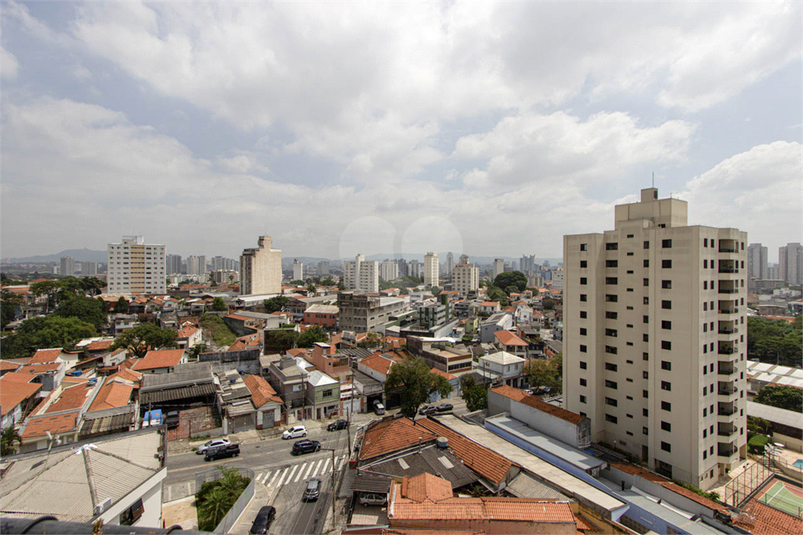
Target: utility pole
x,y
334,489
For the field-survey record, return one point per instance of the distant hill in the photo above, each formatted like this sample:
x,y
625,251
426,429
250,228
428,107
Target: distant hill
x,y
81,255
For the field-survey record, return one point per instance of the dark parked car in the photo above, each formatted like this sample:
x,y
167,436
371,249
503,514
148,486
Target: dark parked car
x,y
221,452
171,419
313,489
336,426
444,407
305,446
263,520
428,409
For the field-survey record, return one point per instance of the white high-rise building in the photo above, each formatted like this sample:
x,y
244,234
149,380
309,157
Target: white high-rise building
x,y
465,277
499,267
89,269
67,266
431,269
449,264
389,270
557,278
361,275
173,264
298,270
136,268
196,265
655,336
221,263
757,261
527,263
790,262
261,269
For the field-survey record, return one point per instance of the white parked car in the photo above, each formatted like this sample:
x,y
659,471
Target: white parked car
x,y
297,431
214,443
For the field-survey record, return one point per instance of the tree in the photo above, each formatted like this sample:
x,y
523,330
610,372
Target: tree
x,y
196,350
328,281
215,498
121,306
545,373
371,340
475,396
280,340
86,309
311,289
11,303
549,304
516,279
495,293
312,335
139,340
775,341
45,332
219,305
341,287
92,285
403,291
9,440
275,304
297,282
48,288
417,382
783,397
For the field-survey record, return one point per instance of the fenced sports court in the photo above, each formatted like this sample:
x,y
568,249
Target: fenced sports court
x,y
784,498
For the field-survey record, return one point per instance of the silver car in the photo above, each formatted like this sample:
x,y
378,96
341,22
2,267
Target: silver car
x,y
214,443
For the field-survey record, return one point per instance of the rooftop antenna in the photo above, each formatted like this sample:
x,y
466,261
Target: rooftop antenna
x,y
653,179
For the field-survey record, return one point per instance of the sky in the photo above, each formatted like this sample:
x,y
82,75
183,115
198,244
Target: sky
x,y
340,128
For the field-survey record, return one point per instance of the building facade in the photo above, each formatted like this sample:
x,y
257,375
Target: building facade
x,y
465,277
298,270
757,261
449,264
790,264
136,268
498,267
361,275
173,264
655,338
261,269
364,313
389,270
67,266
431,269
196,265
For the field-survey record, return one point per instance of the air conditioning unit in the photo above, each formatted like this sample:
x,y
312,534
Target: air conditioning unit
x,y
103,506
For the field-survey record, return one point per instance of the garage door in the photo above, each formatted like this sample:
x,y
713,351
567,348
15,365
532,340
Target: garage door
x,y
268,419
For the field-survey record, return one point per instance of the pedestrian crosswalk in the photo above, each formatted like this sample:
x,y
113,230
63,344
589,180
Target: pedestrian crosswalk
x,y
299,471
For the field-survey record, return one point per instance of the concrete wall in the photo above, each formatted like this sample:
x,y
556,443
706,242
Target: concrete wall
x,y
246,360
151,495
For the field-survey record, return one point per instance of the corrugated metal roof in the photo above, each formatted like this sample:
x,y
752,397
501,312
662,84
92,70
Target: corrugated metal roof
x,y
526,486
173,394
774,414
368,483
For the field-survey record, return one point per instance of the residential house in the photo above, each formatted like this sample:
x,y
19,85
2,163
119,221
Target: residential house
x,y
325,359
509,342
323,394
454,381
503,367
498,322
188,336
287,376
160,361
377,366
489,307
267,403
56,418
18,396
124,322
324,316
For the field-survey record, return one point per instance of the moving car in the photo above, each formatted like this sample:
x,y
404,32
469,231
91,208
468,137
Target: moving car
x,y
335,426
305,446
297,431
263,520
444,407
313,489
221,452
379,409
214,443
427,409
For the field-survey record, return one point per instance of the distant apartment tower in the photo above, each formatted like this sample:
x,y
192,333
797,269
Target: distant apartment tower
x,y
224,264
89,269
415,268
323,267
790,264
655,338
298,270
527,263
196,265
135,268
557,278
449,264
173,264
261,269
67,266
361,275
389,270
465,277
757,261
498,267
431,269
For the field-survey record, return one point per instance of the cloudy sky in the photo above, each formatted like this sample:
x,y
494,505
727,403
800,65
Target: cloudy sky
x,y
345,127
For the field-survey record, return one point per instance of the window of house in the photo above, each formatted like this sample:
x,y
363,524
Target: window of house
x,y
666,446
645,356
132,514
645,394
646,300
645,375
644,430
645,337
666,264
645,413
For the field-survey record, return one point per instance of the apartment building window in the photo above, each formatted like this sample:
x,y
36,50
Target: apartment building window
x,y
583,382
584,247
645,375
582,399
583,314
666,244
705,455
611,384
666,264
583,331
612,402
611,315
705,306
645,356
646,244
611,280
646,282
646,300
705,242
612,419
666,365
646,263
645,413
611,349
666,426
611,332
705,327
644,430
645,337
705,432
611,263
611,367
666,285
583,365
583,263
583,280
629,398
705,391
665,324
645,394
666,344
666,304
666,406
666,385
611,246
583,349
583,298
666,446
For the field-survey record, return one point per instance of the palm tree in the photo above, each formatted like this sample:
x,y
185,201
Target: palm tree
x,y
8,441
214,507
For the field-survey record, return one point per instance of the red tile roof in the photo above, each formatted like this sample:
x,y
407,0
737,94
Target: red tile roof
x,y
236,317
537,403
186,332
490,303
40,368
99,345
127,375
762,519
477,457
55,423
509,339
14,389
393,435
5,365
261,391
111,395
448,376
70,398
163,358
44,356
378,363
426,487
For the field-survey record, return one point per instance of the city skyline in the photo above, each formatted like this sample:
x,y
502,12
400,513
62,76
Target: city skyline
x,y
339,129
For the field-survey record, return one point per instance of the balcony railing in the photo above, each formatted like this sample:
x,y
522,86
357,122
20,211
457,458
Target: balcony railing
x,y
729,311
726,432
726,371
727,249
727,350
726,452
726,412
728,270
725,330
726,391
728,290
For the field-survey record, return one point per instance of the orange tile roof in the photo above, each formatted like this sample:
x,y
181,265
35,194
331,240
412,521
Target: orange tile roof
x,y
40,368
70,398
14,390
163,358
509,339
99,345
186,332
537,403
298,352
477,457
426,487
5,365
393,435
766,520
128,375
448,376
490,303
236,317
584,524
111,395
378,363
408,531
261,391
44,356
55,423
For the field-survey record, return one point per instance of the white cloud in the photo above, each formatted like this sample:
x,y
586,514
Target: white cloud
x,y
8,64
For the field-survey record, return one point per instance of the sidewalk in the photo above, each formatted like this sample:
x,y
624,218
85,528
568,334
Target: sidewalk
x,y
243,524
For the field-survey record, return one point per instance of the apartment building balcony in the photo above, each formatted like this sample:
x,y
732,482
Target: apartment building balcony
x,y
726,369
728,287
727,453
728,246
726,429
726,410
727,394
727,349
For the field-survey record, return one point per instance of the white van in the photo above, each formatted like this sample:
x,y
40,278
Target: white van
x,y
379,409
372,498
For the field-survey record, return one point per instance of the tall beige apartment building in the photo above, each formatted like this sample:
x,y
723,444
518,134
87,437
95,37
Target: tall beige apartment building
x,y
655,338
431,269
361,275
135,267
261,269
465,277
